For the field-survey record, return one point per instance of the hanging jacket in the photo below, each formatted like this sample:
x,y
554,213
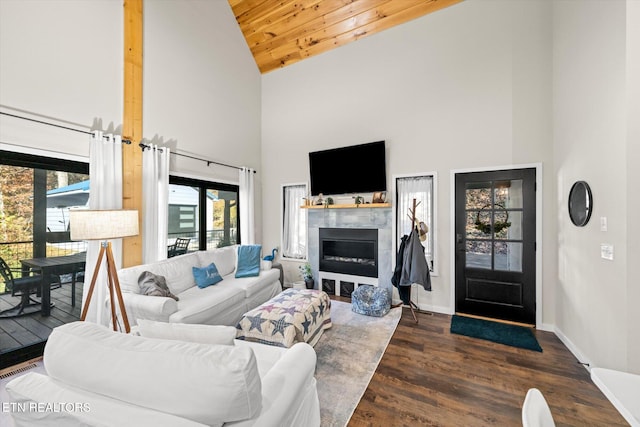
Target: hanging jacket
x,y
403,291
415,268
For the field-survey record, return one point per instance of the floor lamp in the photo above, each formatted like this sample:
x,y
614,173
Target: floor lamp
x,y
104,225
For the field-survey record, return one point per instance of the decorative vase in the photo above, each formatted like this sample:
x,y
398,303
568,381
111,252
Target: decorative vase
x,y
310,283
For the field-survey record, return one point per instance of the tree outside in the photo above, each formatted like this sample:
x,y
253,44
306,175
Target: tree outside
x,y
16,210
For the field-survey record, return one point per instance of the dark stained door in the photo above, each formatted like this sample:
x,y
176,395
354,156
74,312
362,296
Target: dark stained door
x,y
495,215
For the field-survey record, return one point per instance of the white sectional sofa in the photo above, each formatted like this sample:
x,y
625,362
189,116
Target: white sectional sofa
x,y
99,377
221,304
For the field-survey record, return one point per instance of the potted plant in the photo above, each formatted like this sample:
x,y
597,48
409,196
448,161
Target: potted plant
x,y
328,201
307,275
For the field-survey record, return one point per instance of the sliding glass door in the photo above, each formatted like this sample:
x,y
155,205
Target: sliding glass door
x,y
36,194
184,214
204,212
222,217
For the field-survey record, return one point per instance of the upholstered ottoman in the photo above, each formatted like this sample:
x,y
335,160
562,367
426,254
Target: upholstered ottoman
x,y
295,315
370,300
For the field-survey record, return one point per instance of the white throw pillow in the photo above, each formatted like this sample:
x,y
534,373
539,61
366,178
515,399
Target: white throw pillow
x,y
204,334
224,259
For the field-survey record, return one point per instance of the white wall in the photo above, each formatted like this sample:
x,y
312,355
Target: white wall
x,y
465,87
61,60
202,90
590,137
633,177
201,85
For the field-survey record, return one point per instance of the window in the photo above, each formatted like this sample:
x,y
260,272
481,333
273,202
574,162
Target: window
x,y
205,212
420,187
36,194
294,221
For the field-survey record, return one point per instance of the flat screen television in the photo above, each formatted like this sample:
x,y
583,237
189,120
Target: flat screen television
x,y
353,169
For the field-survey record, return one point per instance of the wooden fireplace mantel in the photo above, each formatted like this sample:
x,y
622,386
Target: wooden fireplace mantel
x,y
349,206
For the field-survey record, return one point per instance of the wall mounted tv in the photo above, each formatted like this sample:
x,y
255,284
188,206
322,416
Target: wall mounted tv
x,y
353,169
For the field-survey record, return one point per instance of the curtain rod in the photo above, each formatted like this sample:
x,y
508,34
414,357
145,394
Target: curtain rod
x,y
208,162
124,141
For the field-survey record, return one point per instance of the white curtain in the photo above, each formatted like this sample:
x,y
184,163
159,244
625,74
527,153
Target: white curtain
x,y
246,196
294,229
155,203
420,188
105,173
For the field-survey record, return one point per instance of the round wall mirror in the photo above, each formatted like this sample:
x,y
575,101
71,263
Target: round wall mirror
x,y
580,203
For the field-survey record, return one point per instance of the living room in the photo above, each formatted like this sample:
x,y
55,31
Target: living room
x,y
480,85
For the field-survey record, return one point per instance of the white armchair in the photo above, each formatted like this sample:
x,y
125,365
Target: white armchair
x,y
123,379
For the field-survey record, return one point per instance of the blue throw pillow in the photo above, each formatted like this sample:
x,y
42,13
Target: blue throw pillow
x,y
248,260
206,276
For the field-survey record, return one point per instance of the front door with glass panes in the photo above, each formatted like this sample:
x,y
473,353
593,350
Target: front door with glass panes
x,y
495,263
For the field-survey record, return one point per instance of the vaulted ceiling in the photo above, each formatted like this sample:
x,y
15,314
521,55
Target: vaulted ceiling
x,y
282,32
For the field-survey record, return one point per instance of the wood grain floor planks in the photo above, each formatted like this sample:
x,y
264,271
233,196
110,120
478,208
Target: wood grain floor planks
x,y
430,377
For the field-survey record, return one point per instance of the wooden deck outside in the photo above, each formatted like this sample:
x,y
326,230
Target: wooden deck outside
x,y
31,329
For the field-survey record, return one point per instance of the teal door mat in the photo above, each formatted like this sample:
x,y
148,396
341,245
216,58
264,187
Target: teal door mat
x,y
511,335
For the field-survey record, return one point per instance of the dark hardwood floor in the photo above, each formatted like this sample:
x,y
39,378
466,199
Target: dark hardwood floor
x,y
430,377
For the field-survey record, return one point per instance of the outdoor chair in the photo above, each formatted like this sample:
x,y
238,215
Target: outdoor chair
x,y
179,247
22,287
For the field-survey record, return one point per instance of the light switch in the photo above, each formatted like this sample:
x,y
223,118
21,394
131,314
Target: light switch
x,y
603,223
606,251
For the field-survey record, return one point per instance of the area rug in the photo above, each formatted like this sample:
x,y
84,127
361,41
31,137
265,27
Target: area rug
x,y
502,333
348,355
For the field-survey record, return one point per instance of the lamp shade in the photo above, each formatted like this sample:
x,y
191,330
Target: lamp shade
x,y
102,224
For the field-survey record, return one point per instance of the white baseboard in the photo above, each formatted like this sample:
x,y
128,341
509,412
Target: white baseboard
x,y
434,308
573,348
425,307
547,327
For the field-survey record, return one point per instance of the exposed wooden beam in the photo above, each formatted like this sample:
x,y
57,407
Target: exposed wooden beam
x,y
132,126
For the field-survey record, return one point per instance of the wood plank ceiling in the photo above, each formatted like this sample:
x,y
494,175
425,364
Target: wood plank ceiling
x,y
282,32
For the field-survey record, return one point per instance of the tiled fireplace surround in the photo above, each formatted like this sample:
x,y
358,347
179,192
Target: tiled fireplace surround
x,y
363,217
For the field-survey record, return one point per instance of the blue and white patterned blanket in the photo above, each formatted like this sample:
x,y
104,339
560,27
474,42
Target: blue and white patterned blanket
x,y
295,315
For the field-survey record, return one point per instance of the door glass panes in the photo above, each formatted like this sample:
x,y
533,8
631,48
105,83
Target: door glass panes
x,y
222,213
203,211
36,195
478,195
16,215
508,225
508,194
508,256
493,231
474,218
34,213
184,201
478,254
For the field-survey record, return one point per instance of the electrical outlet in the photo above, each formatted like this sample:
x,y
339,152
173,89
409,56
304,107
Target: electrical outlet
x,y
606,251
